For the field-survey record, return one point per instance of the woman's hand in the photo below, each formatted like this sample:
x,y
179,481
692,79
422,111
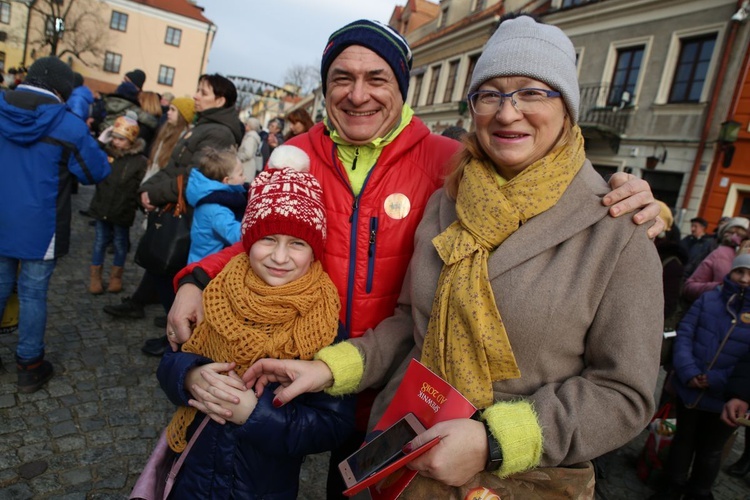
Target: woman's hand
x,y
146,202
732,409
630,193
461,453
295,376
185,313
214,388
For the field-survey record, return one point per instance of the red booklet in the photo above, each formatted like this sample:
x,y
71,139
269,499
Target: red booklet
x,y
432,400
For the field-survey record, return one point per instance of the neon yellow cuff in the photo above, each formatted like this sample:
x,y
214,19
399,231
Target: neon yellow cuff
x,y
515,426
347,366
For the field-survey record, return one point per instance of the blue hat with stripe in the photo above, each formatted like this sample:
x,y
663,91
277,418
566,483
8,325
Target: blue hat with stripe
x,y
376,36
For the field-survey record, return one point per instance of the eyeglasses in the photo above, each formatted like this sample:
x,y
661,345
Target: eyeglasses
x,y
526,101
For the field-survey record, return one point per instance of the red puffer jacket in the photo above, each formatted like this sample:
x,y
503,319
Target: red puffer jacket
x,y
371,236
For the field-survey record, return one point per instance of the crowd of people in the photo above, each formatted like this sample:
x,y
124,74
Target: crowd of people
x,y
323,260
705,277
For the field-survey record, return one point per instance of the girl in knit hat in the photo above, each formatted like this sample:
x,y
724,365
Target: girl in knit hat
x,y
115,201
180,117
273,300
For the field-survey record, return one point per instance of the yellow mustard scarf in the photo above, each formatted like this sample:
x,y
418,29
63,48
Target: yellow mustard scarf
x,y
466,342
245,319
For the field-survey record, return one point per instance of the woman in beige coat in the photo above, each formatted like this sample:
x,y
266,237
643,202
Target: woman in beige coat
x,y
522,293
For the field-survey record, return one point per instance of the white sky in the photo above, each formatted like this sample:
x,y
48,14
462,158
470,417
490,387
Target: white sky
x,y
261,39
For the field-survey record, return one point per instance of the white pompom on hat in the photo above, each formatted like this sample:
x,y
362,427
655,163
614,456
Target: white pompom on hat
x,y
286,199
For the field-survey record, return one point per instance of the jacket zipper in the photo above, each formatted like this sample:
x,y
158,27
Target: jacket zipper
x,y
371,253
354,162
354,221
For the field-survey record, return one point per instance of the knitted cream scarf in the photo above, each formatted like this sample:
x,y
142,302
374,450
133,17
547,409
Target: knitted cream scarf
x,y
466,342
245,319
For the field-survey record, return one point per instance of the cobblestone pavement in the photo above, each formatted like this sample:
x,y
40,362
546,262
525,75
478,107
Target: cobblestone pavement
x,y
88,433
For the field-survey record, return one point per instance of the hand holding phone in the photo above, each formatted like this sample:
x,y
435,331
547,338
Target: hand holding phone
x,y
383,455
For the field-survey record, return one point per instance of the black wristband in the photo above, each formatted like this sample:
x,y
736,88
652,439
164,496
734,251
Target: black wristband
x,y
495,452
197,277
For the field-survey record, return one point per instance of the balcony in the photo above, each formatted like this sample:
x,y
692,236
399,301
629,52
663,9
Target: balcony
x,y
598,119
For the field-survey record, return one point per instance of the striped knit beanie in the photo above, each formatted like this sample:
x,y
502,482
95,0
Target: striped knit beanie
x,y
376,36
524,47
286,199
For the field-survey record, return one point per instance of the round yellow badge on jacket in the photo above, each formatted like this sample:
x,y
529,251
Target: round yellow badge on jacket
x,y
397,206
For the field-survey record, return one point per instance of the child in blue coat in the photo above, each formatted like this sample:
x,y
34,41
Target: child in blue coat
x,y
274,300
216,190
711,338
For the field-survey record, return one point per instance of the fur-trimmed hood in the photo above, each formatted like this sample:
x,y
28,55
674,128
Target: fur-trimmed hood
x,y
138,147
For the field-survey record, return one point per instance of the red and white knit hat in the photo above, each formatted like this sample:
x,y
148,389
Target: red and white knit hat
x,y
286,199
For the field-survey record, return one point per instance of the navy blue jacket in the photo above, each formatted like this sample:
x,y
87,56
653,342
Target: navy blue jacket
x,y
43,148
262,457
699,336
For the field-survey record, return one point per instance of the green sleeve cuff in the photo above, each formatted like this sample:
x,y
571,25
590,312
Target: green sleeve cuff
x,y
515,426
347,367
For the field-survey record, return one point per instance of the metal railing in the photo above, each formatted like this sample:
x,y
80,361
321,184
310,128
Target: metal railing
x,y
598,110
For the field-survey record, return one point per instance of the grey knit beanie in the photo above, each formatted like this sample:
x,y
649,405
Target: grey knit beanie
x,y
525,47
52,74
742,260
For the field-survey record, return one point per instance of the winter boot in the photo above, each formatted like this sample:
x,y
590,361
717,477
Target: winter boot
x,y
115,280
742,466
32,376
127,309
95,282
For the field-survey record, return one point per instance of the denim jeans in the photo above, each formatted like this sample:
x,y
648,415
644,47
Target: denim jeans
x,y
33,282
107,233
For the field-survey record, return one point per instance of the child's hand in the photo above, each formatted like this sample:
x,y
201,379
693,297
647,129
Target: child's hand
x,y
242,410
214,390
699,382
106,136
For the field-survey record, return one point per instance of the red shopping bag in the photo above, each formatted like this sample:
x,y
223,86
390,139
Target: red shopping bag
x,y
653,457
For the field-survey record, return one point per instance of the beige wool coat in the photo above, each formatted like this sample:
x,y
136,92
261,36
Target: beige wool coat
x,y
580,294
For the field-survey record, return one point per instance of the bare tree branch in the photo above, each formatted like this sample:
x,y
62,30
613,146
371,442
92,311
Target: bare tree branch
x,y
69,27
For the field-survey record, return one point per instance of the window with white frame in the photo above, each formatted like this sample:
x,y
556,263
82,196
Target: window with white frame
x,y
469,71
443,17
690,64
112,62
119,21
433,85
166,75
450,84
174,35
625,76
692,67
417,89
623,72
5,12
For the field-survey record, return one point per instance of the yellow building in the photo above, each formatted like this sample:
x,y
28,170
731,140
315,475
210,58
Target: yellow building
x,y
170,40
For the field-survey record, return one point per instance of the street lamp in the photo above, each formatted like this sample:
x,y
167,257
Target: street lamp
x,y
728,134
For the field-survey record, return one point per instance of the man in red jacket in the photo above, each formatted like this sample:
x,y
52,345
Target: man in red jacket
x,y
378,165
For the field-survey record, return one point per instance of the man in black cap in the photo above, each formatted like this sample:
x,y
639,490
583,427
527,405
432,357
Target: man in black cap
x,y
698,244
44,147
137,77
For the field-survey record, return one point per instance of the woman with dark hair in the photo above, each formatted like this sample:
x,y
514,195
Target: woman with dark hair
x,y
299,122
217,126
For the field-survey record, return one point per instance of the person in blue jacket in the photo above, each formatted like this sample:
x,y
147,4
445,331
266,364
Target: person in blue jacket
x,y
216,190
271,301
44,148
712,337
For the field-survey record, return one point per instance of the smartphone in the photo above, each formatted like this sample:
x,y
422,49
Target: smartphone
x,y
381,451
